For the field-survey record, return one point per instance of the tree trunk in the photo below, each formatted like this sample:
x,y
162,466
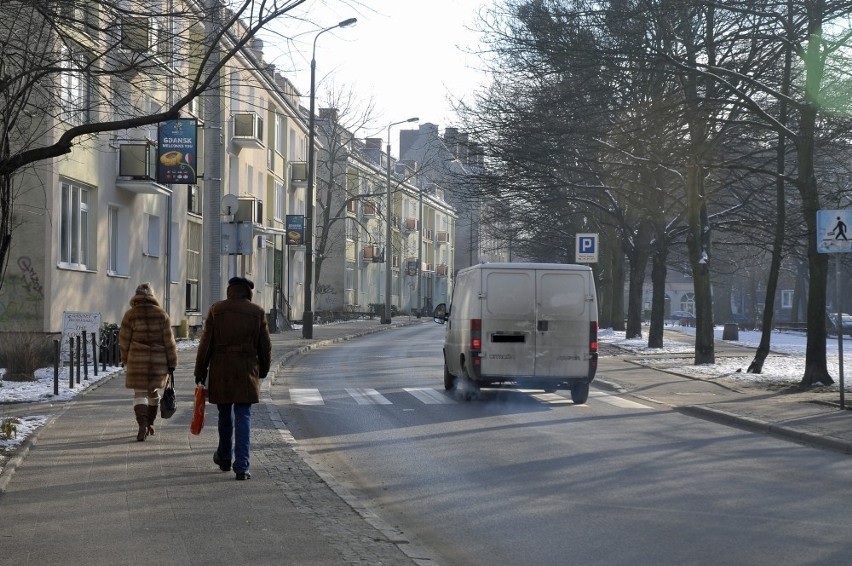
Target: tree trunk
x,y
638,266
658,282
698,240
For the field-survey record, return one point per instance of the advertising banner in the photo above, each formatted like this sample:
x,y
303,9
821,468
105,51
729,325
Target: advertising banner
x,y
295,230
177,153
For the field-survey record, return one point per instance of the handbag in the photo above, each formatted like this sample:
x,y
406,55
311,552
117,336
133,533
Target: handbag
x,y
198,412
168,404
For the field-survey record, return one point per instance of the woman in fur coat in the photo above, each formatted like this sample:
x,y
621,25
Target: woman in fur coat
x,y
149,354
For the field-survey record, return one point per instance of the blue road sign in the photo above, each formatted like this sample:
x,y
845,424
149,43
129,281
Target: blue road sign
x,y
586,250
834,231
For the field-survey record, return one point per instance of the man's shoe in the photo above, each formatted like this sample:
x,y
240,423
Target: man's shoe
x,y
243,476
223,465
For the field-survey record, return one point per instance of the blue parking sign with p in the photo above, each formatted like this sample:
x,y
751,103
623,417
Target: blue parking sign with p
x,y
586,250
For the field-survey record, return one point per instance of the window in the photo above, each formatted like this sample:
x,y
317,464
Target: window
x,y
269,256
279,134
787,299
119,240
193,266
193,199
280,201
152,243
74,227
350,228
349,277
75,88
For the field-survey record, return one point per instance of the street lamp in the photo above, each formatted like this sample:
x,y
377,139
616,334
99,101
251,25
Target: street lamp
x,y
386,316
308,314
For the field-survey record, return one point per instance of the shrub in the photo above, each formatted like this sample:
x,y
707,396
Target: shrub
x,y
23,353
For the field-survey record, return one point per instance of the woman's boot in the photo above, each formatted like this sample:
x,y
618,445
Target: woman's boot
x,y
141,419
152,415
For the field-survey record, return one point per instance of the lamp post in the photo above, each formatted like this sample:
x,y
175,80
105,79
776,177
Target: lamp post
x,y
308,314
386,316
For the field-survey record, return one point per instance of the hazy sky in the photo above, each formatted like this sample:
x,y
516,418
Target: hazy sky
x,y
404,54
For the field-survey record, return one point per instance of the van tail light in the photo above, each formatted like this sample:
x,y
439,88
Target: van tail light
x,y
476,344
593,348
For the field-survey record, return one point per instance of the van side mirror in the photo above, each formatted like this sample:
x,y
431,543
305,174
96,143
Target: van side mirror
x,y
440,313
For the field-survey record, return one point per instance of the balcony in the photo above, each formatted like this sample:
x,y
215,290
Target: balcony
x,y
410,224
137,168
441,269
442,237
369,209
249,209
298,174
248,130
371,253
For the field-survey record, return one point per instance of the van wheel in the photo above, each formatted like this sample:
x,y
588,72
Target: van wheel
x,y
580,393
449,379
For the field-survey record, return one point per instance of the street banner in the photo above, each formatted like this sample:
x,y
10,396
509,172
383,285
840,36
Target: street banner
x,y
177,152
295,230
834,234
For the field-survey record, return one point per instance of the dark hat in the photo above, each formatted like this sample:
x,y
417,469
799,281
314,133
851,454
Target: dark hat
x,y
241,281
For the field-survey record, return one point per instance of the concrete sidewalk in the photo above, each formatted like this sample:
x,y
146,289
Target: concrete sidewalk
x,y
87,492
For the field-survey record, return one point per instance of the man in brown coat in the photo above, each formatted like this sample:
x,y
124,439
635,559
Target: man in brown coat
x,y
149,353
234,352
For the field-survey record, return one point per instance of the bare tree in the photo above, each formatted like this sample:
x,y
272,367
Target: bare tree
x,y
66,69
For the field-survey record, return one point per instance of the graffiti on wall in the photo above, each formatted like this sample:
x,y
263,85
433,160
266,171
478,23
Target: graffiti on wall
x,y
22,296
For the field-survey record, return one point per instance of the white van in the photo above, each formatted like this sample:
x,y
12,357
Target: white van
x,y
534,324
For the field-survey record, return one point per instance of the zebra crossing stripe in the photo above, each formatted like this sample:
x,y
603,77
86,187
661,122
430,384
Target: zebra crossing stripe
x,y
429,396
367,396
617,401
306,397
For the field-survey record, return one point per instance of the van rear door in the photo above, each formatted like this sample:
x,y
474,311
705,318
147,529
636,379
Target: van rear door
x,y
508,323
562,323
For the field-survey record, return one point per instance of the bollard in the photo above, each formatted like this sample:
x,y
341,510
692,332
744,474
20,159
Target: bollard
x,y
85,357
77,360
95,354
71,362
56,367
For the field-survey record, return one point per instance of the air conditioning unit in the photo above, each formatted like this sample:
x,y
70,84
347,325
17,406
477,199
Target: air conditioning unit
x,y
249,209
248,130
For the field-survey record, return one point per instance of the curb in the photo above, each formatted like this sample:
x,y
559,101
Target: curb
x,y
755,425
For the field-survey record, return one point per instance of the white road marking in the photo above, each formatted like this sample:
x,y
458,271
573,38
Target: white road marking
x,y
617,401
367,396
430,396
306,397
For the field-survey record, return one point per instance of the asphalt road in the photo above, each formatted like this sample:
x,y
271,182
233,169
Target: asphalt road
x,y
522,477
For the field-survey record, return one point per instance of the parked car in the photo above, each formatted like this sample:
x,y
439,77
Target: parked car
x,y
684,318
845,323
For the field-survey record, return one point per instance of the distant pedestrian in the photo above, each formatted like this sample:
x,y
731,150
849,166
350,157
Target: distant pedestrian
x,y
149,354
840,228
236,349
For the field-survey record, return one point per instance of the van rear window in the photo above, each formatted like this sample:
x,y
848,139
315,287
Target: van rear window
x,y
509,338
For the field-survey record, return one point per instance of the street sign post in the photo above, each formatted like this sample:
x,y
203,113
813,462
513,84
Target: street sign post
x,y
586,248
833,237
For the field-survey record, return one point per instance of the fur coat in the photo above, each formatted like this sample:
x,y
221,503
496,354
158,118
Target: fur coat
x,y
147,344
235,349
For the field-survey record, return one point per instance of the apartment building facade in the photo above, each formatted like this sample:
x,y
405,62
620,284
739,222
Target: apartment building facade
x,y
91,225
353,181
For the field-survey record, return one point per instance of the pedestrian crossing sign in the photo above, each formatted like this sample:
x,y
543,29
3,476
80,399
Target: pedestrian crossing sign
x,y
833,231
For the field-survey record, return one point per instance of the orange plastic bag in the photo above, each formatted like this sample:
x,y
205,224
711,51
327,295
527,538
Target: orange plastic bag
x,y
198,412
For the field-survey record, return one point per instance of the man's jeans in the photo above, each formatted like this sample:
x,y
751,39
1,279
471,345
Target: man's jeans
x,y
235,429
